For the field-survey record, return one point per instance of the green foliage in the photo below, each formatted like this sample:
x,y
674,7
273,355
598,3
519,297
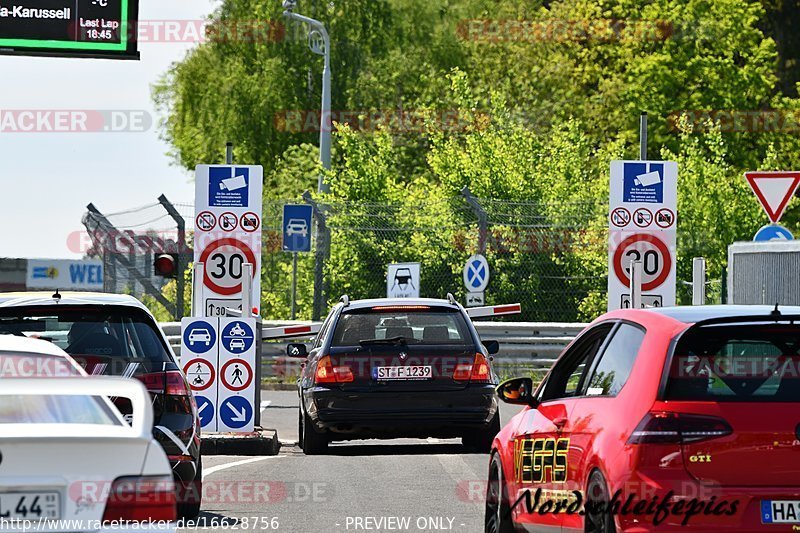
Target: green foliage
x,y
543,114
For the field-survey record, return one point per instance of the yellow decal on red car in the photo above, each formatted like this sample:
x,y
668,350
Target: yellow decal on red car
x,y
533,458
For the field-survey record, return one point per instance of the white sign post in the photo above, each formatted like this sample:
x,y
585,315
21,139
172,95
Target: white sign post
x,y
402,280
237,374
228,207
643,220
219,359
200,358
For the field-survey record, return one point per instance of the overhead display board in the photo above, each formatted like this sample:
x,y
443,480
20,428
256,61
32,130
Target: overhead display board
x,y
69,28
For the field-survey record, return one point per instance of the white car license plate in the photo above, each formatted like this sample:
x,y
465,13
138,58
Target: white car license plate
x,y
29,505
780,511
395,373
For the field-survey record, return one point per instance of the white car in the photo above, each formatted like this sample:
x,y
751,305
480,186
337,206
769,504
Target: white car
x,y
237,344
68,459
297,226
200,335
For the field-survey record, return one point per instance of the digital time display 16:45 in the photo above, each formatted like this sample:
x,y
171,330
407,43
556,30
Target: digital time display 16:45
x,y
69,28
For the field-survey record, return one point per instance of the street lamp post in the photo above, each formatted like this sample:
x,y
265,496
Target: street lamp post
x,y
320,43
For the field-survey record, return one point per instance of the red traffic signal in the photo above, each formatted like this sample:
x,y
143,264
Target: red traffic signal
x,y
166,265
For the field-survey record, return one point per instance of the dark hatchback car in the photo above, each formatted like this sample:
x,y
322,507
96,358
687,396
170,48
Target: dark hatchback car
x,y
390,368
115,335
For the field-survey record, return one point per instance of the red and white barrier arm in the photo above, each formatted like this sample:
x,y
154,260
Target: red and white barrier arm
x,y
286,332
494,310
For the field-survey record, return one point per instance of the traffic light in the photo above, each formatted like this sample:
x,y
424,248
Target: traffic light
x,y
166,265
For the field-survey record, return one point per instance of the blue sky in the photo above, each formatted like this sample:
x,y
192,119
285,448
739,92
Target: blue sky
x,y
48,178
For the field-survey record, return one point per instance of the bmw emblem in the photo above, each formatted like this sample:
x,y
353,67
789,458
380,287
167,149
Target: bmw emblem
x,y
403,356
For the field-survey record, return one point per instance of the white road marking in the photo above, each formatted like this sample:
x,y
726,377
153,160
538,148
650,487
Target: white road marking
x,y
214,469
265,404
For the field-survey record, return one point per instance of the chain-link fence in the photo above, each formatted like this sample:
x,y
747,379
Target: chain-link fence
x,y
552,258
128,243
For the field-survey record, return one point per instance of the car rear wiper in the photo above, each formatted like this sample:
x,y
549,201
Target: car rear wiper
x,y
393,340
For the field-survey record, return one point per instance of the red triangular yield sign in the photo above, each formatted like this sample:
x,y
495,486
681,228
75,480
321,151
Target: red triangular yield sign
x,y
774,190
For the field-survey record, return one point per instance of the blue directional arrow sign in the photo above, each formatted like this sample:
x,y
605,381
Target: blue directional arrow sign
x,y
297,228
773,232
205,409
236,412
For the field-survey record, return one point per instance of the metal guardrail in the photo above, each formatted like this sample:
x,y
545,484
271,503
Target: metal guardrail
x,y
532,345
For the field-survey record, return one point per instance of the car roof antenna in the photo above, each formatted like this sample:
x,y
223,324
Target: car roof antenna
x,y
56,296
776,312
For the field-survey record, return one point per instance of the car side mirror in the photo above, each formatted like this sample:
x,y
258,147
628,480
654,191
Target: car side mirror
x,y
297,350
517,391
492,346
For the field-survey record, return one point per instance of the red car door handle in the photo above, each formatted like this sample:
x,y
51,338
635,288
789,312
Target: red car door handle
x,y
560,422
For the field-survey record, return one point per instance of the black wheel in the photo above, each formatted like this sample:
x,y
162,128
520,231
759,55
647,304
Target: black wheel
x,y
498,514
190,507
481,441
312,443
598,518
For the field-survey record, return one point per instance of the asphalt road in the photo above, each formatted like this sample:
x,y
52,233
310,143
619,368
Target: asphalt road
x,y
394,485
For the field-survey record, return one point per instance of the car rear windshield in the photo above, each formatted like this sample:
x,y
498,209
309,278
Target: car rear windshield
x,y
55,409
410,324
738,363
105,341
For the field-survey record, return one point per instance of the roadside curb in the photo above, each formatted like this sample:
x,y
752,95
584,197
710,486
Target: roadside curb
x,y
260,442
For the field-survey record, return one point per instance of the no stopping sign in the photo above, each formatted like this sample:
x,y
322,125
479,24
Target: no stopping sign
x,y
654,255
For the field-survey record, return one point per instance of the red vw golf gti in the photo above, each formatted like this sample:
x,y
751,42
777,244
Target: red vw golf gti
x,y
657,420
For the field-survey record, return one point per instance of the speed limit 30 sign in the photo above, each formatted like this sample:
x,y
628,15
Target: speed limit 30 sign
x,y
230,196
652,252
224,261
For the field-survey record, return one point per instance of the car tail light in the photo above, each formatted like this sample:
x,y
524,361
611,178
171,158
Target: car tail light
x,y
180,458
475,372
141,499
327,373
678,428
171,383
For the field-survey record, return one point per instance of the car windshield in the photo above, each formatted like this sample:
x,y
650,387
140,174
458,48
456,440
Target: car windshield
x,y
55,409
420,325
740,363
105,341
